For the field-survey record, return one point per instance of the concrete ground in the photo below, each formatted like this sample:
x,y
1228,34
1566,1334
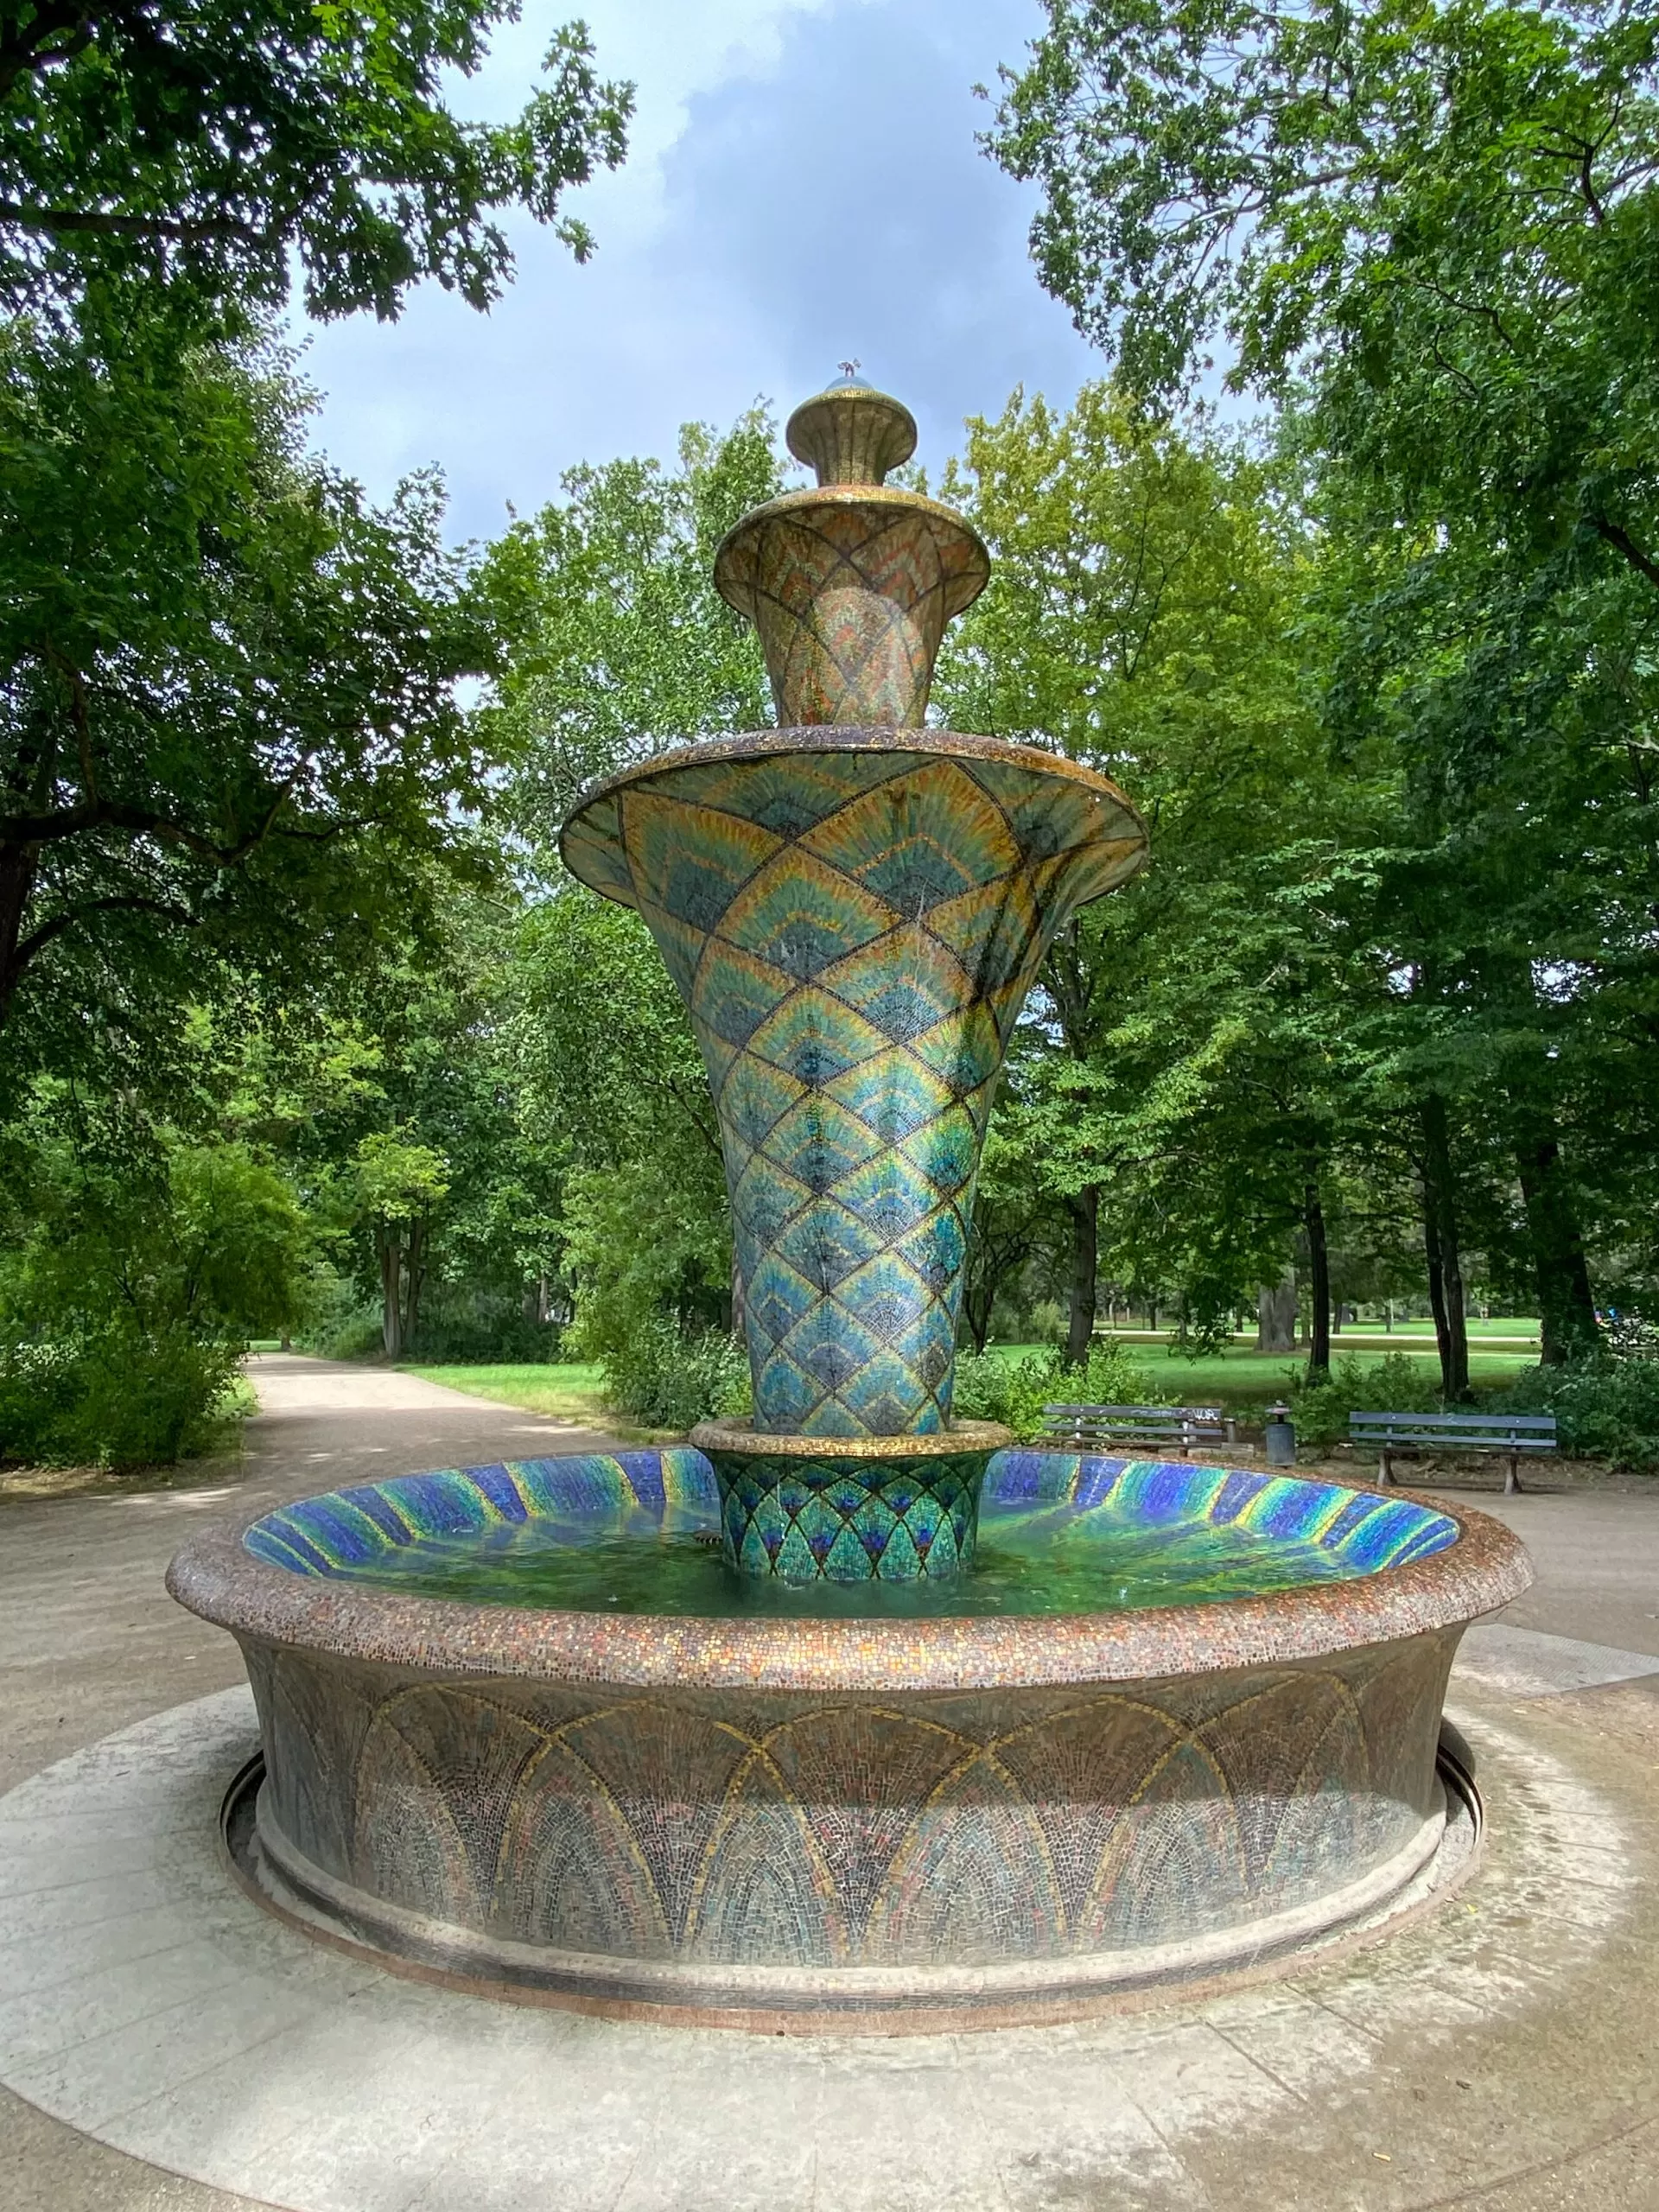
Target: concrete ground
x,y
1505,2055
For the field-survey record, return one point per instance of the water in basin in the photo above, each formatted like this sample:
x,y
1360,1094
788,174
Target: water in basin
x,y
1058,1534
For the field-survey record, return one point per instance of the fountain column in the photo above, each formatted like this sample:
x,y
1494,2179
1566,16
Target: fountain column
x,y
853,907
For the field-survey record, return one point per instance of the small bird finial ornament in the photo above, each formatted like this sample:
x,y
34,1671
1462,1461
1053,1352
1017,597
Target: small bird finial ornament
x,y
849,368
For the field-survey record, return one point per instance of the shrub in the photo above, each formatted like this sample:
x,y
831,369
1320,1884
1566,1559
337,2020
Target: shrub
x,y
1048,1321
1605,1409
129,1292
125,1397
1394,1384
665,1380
1014,1391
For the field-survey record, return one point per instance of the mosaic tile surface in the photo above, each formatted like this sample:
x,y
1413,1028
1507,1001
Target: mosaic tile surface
x,y
804,1830
889,1519
640,1490
854,928
850,586
1362,1525
849,591
345,1528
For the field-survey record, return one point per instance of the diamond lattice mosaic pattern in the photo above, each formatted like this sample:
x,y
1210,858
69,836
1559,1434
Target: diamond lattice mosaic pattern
x,y
855,930
887,1520
850,592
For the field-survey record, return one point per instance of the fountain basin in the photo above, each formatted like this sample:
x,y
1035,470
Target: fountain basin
x,y
812,1822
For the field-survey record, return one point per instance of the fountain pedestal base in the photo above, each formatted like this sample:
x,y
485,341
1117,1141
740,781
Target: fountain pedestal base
x,y
856,1509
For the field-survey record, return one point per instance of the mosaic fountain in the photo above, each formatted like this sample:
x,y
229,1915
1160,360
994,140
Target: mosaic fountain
x,y
848,1715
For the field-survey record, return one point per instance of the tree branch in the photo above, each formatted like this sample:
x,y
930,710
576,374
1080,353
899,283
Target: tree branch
x,y
26,52
1619,539
67,222
37,940
114,814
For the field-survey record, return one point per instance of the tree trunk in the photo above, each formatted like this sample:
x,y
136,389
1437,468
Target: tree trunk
x,y
1441,1248
18,864
1318,1272
414,1279
739,1295
1275,1314
1085,1256
1566,1305
392,1301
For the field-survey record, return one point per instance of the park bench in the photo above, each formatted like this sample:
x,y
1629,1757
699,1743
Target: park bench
x,y
1095,1428
1510,1434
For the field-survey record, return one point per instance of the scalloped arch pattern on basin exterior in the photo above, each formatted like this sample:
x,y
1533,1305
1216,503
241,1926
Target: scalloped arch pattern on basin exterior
x,y
825,1827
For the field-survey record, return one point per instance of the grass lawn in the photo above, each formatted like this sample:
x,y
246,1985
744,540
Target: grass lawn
x,y
570,1390
1241,1379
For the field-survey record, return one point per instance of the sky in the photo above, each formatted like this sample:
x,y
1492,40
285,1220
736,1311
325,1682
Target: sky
x,y
802,188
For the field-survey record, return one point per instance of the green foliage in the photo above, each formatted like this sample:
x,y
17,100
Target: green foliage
x,y
621,646
209,144
1184,1085
663,1378
992,1387
229,741
642,1248
1394,1384
399,1182
121,1397
130,1289
1605,1409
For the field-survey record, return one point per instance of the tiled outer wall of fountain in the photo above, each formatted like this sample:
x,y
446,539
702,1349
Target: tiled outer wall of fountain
x,y
794,1829
854,924
849,591
700,1822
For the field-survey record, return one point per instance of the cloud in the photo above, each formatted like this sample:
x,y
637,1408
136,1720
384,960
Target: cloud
x,y
803,185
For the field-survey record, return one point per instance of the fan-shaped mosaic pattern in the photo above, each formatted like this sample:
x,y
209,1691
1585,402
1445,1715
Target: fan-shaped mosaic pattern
x,y
1369,1529
855,929
344,1530
888,1519
802,1830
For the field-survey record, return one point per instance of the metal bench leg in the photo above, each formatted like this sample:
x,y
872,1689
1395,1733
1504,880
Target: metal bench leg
x,y
1512,1480
1385,1471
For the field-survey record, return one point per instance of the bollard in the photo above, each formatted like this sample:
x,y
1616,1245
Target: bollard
x,y
1281,1438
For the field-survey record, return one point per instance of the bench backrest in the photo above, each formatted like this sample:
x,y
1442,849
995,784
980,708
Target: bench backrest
x,y
1098,1424
1518,1432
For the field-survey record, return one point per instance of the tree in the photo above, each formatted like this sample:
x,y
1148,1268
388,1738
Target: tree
x,y
1434,236
398,1184
228,726
217,144
135,1264
1141,616
622,647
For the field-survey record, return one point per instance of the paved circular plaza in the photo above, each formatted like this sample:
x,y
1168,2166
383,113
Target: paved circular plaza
x,y
164,2044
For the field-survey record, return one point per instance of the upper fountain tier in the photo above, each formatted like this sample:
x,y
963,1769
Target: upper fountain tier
x,y
850,583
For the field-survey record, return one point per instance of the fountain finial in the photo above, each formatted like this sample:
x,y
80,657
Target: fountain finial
x,y
851,434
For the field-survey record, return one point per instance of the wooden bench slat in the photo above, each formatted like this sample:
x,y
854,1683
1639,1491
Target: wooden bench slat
x,y
1543,1422
1510,1434
1184,1426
